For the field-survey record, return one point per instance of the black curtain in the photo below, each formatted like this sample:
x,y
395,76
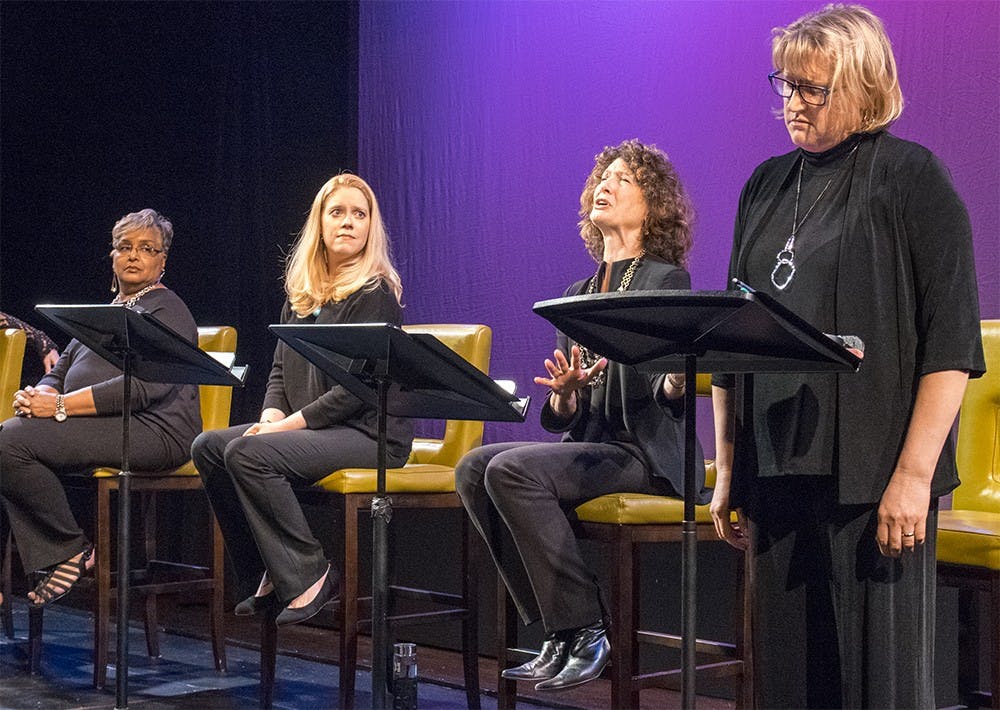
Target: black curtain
x,y
226,117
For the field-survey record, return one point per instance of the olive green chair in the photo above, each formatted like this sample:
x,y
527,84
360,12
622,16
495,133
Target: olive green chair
x,y
968,542
11,358
625,521
157,577
426,482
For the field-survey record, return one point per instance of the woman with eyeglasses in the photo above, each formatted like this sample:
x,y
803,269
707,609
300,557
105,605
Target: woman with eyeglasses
x,y
836,478
71,420
339,272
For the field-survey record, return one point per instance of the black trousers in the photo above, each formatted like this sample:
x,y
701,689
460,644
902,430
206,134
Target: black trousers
x,y
521,496
836,624
250,482
35,453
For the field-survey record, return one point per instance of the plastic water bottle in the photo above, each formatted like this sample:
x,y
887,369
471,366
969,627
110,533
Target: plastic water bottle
x,y
404,676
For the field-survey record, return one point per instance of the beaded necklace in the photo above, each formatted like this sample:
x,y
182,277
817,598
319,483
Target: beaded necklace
x,y
589,358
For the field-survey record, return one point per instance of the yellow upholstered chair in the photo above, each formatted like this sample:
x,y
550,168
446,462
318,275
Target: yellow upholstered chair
x,y
625,521
11,357
968,543
158,576
427,481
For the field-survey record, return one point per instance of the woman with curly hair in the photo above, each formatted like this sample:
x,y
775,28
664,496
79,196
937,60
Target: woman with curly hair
x,y
622,430
340,271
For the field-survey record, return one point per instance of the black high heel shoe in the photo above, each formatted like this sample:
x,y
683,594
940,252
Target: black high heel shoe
x,y
329,590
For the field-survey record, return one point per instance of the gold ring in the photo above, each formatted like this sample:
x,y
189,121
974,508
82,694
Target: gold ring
x,y
908,534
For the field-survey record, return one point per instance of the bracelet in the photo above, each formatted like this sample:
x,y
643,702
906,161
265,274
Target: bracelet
x,y
675,385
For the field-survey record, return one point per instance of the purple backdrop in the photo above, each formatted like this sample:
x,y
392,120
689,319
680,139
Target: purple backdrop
x,y
479,122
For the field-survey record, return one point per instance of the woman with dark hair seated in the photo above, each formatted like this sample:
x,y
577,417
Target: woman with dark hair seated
x,y
72,419
622,430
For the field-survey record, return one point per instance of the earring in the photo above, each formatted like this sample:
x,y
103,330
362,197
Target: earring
x,y
114,282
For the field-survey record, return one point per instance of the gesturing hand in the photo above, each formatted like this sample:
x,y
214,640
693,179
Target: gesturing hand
x,y
567,376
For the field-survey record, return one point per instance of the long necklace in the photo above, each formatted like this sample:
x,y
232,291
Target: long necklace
x,y
135,298
588,358
786,257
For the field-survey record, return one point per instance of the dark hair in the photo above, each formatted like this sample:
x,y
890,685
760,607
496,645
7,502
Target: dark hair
x,y
666,231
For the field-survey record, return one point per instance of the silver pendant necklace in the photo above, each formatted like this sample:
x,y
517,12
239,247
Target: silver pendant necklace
x,y
784,263
588,358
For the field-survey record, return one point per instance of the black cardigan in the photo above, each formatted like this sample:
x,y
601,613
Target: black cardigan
x,y
654,424
905,284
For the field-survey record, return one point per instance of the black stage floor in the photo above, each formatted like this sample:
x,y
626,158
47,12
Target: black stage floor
x,y
183,677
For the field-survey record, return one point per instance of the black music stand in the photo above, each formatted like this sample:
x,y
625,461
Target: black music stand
x,y
403,374
141,346
691,332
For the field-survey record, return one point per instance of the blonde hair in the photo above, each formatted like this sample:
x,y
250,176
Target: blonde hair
x,y
308,281
851,40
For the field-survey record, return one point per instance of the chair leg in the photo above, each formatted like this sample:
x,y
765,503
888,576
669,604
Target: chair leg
x,y
470,620
216,614
102,568
506,638
34,639
968,643
268,657
151,605
6,586
744,634
624,620
349,605
994,653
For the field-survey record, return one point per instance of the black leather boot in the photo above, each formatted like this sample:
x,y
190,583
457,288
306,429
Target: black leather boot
x,y
545,665
589,652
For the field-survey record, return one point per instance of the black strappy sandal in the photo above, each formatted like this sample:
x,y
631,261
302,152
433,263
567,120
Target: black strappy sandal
x,y
61,580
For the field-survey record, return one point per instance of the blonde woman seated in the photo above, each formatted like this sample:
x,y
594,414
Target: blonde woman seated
x,y
340,271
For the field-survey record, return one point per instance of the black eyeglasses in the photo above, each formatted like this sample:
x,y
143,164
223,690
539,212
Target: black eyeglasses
x,y
146,250
812,95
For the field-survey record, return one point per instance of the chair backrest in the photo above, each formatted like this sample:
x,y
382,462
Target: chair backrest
x,y
216,400
978,453
11,358
474,343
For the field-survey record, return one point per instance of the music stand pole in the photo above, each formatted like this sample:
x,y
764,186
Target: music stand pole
x,y
689,536
381,515
124,542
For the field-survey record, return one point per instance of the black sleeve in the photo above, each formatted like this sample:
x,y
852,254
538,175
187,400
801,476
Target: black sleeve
x,y
274,396
939,236
378,305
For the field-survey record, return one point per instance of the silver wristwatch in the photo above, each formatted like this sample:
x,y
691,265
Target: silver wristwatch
x,y
60,415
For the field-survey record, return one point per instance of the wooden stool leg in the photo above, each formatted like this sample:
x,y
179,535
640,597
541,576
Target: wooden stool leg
x,y
506,638
349,605
150,606
34,639
268,658
994,653
744,634
215,609
470,620
624,619
102,569
6,586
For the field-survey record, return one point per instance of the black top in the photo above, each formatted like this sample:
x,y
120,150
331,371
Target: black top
x,y
629,409
903,280
171,410
295,384
795,414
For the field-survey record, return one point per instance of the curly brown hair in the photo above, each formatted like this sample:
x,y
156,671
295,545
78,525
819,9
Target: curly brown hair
x,y
666,231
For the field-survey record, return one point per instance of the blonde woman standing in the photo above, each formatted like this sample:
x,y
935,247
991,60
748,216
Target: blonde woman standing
x,y
340,271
